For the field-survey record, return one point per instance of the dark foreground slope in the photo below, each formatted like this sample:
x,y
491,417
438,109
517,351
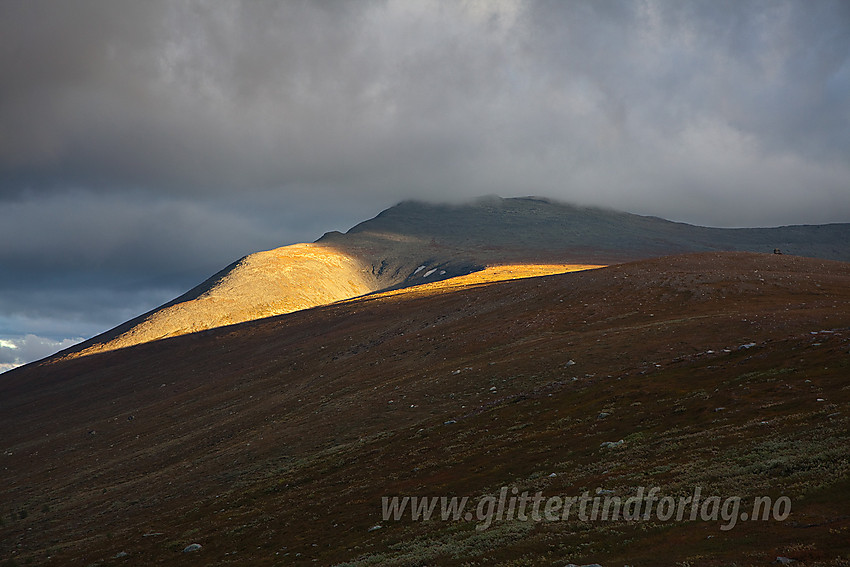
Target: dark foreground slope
x,y
273,442
418,243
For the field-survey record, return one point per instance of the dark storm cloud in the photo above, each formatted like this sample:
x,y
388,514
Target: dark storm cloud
x,y
392,99
148,144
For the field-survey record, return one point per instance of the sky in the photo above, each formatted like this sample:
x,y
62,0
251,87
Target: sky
x,y
146,145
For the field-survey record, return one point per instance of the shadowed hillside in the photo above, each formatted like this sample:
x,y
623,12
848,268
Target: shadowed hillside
x,y
273,442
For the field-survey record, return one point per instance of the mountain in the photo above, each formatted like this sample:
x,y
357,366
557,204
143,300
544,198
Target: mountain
x,y
274,441
414,243
492,228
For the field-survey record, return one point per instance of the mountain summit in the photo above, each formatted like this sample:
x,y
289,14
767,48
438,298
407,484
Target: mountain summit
x,y
415,243
533,227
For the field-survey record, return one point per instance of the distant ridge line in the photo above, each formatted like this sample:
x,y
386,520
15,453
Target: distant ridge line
x,y
415,242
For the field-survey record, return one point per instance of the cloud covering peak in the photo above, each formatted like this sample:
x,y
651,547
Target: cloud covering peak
x,y
623,102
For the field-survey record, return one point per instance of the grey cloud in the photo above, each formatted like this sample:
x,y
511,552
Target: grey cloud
x,y
403,99
128,235
19,350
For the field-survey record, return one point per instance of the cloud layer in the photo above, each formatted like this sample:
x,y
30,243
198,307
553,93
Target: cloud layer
x,y
145,145
14,353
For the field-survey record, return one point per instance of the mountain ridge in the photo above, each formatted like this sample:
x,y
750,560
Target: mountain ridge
x,y
569,225
415,242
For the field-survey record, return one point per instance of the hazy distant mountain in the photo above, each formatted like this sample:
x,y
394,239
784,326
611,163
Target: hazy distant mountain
x,y
415,242
493,228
